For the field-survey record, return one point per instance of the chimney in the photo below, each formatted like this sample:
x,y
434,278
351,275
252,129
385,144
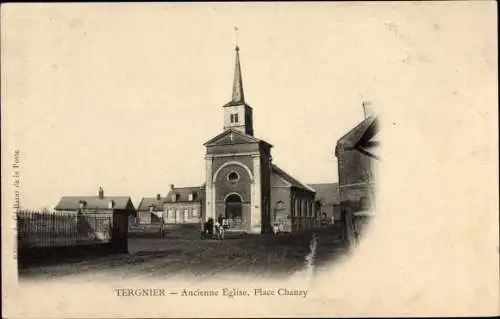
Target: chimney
x,y
101,193
367,109
158,196
172,187
82,204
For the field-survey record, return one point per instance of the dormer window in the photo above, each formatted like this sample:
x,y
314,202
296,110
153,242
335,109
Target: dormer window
x,y
190,196
111,204
176,197
195,195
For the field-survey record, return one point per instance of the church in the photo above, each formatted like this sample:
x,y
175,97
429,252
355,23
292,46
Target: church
x,y
242,182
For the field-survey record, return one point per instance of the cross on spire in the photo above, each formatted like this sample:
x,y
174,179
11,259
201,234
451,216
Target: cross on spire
x,y
236,37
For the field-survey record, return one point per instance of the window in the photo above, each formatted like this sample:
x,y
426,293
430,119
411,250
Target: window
x,y
233,177
190,196
234,118
280,205
195,213
195,195
177,197
363,204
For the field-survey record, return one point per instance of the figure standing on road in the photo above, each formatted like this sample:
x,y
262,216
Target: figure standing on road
x,y
275,229
162,227
209,227
202,228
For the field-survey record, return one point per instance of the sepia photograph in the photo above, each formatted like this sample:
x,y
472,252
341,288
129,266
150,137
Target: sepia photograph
x,y
176,153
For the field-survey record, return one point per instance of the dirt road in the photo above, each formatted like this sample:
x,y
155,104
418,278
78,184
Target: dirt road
x,y
188,255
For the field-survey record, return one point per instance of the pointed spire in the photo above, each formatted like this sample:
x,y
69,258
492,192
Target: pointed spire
x,y
238,96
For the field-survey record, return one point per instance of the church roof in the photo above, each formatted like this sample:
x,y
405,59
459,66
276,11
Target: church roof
x,y
327,193
293,181
242,138
93,202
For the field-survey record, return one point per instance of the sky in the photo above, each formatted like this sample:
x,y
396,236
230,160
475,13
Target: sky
x,y
123,96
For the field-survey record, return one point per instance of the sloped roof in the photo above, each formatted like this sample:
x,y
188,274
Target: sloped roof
x,y
93,202
184,192
241,138
359,137
146,202
293,181
327,193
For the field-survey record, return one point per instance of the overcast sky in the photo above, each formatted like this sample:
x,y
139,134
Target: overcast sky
x,y
125,95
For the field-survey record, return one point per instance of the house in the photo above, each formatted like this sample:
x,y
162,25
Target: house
x,y
356,157
242,182
99,204
97,215
184,205
150,210
327,200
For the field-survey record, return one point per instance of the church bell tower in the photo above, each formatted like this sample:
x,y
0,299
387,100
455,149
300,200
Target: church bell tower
x,y
237,114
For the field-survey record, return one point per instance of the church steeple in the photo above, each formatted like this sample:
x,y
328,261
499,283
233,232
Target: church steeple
x,y
238,95
237,114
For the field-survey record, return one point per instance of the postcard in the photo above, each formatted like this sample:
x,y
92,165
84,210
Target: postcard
x,y
257,159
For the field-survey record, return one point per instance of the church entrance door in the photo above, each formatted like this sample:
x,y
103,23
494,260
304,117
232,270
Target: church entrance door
x,y
234,212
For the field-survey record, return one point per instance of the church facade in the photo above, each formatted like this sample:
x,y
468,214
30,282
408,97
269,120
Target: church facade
x,y
242,182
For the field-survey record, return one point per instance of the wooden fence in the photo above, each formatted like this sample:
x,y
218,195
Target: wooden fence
x,y
62,229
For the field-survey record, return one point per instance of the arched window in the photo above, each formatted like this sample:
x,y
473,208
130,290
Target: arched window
x,y
280,205
279,210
